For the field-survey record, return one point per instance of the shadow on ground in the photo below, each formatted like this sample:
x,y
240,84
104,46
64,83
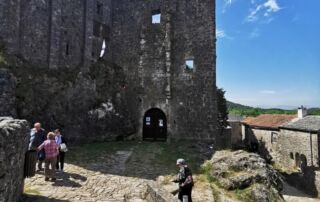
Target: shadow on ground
x,y
35,198
64,180
304,181
146,160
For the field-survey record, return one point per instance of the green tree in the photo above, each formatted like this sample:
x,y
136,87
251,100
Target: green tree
x,y
222,107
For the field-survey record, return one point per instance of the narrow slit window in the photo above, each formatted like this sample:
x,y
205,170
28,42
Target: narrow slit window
x,y
103,49
156,17
190,64
67,49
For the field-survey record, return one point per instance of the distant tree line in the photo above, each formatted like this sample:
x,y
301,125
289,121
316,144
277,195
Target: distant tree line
x,y
238,109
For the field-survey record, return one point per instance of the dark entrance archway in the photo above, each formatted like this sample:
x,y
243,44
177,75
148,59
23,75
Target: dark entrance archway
x,y
155,125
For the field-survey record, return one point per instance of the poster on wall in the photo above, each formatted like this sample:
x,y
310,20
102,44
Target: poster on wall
x,y
160,123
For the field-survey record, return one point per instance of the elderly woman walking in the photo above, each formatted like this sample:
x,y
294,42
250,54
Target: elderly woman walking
x,y
185,180
51,149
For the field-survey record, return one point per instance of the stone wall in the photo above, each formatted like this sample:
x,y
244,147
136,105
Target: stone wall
x,y
9,23
85,106
263,141
236,134
7,93
68,35
14,137
55,33
285,146
291,143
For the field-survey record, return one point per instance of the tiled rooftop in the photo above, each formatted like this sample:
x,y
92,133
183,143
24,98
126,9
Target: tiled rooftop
x,y
308,123
272,121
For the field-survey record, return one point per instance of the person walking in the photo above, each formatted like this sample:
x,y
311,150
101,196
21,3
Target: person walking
x,y
51,149
185,180
60,140
37,137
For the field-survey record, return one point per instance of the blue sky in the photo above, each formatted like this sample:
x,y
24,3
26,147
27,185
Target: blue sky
x,y
269,52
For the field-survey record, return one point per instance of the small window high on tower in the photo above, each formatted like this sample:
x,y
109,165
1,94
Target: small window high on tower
x,y
156,16
190,64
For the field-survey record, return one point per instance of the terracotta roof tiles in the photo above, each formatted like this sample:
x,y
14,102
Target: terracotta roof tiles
x,y
272,121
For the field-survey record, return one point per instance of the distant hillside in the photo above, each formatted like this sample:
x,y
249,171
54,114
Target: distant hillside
x,y
243,110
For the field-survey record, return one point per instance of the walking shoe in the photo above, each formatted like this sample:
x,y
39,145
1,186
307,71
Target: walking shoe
x,y
46,179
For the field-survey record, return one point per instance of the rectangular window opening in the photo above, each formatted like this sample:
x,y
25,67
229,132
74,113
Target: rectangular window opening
x,y
190,64
156,16
99,8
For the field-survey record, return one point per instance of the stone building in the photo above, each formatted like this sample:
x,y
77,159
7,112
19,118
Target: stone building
x,y
298,144
292,141
261,133
166,49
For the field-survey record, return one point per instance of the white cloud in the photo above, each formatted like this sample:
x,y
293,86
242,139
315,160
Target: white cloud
x,y
220,33
272,6
264,9
253,14
268,92
227,4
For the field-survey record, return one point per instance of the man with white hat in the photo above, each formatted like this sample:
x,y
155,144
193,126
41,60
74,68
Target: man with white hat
x,y
185,180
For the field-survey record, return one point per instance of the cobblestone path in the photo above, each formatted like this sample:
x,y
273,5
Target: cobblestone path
x,y
106,179
80,184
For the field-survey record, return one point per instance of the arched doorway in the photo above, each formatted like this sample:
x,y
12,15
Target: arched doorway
x,y
155,125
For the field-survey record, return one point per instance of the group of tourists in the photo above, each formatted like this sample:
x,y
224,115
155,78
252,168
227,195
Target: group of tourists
x,y
50,148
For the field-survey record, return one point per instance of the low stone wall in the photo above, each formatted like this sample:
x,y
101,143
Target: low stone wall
x,y
158,194
13,145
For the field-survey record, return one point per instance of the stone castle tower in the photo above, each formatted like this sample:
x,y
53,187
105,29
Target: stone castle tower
x,y
166,48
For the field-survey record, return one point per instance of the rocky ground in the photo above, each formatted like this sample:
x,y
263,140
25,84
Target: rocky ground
x,y
115,173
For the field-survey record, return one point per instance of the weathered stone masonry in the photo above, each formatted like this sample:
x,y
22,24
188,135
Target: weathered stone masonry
x,y
156,54
60,34
14,137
